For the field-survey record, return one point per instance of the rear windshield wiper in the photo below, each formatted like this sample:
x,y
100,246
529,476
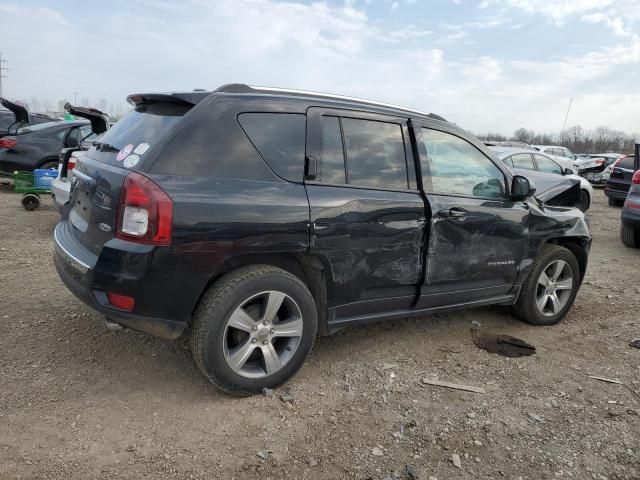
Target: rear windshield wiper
x,y
105,147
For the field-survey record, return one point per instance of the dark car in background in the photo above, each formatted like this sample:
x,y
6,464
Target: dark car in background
x,y
255,218
630,228
619,181
38,146
16,116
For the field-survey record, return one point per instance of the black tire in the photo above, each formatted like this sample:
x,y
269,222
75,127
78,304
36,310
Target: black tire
x,y
630,236
49,164
221,300
30,201
613,202
525,308
583,203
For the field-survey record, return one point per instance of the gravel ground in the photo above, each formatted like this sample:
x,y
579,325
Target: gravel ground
x,y
79,402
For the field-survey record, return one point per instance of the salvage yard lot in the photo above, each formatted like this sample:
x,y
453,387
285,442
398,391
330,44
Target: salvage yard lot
x,y
78,402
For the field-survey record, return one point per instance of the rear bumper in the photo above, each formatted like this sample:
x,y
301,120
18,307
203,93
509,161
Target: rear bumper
x,y
60,189
77,270
631,214
615,194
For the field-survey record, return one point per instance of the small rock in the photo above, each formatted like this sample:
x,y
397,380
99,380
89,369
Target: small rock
x,y
377,452
477,443
635,343
536,417
131,448
455,459
267,392
389,366
475,323
312,462
431,477
286,397
263,454
410,471
471,415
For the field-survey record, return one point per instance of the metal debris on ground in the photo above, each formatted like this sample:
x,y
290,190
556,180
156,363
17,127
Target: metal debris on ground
x,y
263,454
454,386
608,380
504,345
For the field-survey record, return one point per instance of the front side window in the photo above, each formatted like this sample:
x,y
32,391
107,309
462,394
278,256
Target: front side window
x,y
547,165
523,160
280,139
454,166
375,154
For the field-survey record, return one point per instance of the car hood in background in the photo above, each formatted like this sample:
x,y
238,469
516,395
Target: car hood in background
x,y
99,120
19,112
553,189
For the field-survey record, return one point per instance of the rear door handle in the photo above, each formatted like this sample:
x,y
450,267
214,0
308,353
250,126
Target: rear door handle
x,y
454,212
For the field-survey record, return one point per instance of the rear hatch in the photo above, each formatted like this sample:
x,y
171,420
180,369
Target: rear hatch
x,y
99,175
621,174
20,115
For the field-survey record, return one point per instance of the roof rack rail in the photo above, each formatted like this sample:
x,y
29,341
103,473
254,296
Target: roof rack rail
x,y
243,88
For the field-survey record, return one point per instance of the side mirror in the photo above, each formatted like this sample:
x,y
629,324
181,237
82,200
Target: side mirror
x,y
567,171
521,188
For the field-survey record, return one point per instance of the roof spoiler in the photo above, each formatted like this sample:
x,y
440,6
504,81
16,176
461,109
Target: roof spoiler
x,y
20,115
99,120
179,98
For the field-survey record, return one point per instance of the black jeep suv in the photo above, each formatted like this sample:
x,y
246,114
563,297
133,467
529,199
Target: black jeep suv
x,y
257,218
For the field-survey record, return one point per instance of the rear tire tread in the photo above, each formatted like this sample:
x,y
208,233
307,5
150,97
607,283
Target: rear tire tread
x,y
629,236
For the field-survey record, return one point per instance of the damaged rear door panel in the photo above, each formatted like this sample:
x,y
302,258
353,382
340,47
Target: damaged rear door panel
x,y
477,236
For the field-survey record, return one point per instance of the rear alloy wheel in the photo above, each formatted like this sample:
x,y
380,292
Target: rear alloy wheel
x,y
583,203
253,329
630,236
551,287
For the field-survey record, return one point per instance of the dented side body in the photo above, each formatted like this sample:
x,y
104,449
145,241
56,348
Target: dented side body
x,y
366,254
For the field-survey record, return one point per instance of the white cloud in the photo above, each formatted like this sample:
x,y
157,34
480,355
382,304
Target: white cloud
x,y
316,46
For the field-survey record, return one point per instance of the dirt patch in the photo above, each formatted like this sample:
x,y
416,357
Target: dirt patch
x,y
79,402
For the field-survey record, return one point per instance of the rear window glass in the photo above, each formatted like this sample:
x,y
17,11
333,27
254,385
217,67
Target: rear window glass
x,y
146,124
280,140
522,160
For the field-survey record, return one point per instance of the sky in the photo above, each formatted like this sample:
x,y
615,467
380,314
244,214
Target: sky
x,y
487,65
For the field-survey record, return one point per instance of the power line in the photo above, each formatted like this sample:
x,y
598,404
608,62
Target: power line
x,y
2,69
565,119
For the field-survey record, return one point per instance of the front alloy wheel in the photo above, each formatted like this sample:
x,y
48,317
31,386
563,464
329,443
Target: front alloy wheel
x,y
554,288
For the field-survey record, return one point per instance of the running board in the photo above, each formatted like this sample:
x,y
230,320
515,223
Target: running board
x,y
400,314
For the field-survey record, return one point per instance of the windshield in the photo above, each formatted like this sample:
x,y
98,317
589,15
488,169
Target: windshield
x,y
139,131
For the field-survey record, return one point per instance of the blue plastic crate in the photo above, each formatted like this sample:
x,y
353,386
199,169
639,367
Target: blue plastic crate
x,y
43,178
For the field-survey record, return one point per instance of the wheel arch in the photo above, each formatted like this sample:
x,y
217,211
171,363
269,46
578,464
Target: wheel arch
x,y
307,267
579,246
46,160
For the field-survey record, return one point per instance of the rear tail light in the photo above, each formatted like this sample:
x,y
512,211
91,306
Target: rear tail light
x,y
7,143
121,301
635,180
145,214
71,164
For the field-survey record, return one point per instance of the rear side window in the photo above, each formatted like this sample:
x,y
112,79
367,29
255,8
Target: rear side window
x,y
626,162
547,165
147,124
332,158
508,162
375,154
522,160
280,140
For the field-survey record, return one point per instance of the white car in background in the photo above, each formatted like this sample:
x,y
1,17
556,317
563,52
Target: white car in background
x,y
562,155
522,159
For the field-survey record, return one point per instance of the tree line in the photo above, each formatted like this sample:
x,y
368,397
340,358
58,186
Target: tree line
x,y
576,139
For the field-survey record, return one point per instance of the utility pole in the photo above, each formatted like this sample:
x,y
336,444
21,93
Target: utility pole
x,y
75,98
564,125
2,69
